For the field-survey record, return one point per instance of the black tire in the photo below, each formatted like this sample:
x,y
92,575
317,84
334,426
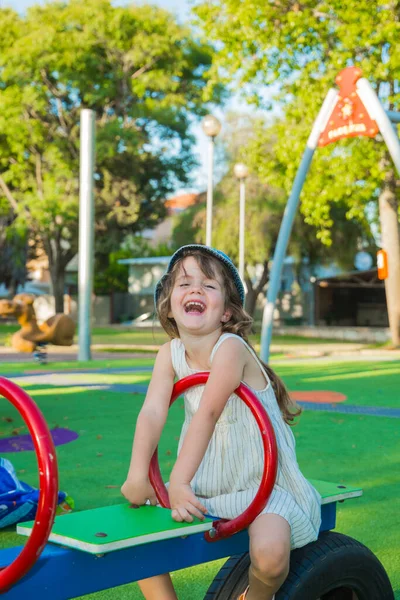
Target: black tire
x,y
231,580
335,567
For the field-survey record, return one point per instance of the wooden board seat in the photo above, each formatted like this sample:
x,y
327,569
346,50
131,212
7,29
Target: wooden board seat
x,y
118,526
110,528
335,492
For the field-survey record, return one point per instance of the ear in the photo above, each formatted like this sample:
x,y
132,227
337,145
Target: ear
x,y
226,316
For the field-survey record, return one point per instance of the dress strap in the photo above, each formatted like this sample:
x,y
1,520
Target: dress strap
x,y
225,336
177,357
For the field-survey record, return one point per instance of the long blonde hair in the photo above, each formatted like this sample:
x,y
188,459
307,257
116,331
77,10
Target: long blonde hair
x,y
240,322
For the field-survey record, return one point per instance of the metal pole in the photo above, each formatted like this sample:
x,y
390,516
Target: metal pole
x,y
287,222
86,232
210,191
242,184
393,115
383,119
311,320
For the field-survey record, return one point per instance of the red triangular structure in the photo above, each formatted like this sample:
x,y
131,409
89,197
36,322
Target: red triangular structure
x,y
349,117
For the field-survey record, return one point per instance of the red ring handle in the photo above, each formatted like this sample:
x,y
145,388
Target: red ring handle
x,y
224,528
48,483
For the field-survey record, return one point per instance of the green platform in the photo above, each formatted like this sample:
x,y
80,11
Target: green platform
x,y
114,527
335,492
119,526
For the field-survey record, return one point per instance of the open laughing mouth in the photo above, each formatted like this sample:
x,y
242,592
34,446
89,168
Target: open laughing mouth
x,y
195,307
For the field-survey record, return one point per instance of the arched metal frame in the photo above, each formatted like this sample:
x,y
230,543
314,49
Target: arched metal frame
x,y
384,121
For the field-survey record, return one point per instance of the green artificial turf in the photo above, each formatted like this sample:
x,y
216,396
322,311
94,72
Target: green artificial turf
x,y
155,335
6,332
355,449
364,383
129,336
105,335
7,368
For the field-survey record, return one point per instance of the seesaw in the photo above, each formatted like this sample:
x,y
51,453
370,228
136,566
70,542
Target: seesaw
x,y
106,547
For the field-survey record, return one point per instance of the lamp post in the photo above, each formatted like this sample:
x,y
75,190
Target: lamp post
x,y
211,127
86,231
241,172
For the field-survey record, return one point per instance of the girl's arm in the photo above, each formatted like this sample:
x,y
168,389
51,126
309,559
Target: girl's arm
x,y
149,426
225,376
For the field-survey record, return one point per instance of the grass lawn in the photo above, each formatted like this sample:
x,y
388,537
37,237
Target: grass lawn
x,y
364,383
105,335
354,449
6,332
116,335
8,368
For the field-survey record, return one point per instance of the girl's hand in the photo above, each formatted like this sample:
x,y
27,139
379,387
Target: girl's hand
x,y
184,503
138,491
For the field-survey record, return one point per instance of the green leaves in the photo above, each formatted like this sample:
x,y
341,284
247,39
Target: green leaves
x,y
290,54
142,74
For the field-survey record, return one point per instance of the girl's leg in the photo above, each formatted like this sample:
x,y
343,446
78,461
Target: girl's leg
x,y
158,587
269,555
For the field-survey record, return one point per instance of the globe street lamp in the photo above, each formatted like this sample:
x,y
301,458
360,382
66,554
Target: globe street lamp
x,y
241,172
211,127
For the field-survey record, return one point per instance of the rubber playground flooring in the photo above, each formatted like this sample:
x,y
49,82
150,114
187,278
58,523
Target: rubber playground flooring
x,y
348,448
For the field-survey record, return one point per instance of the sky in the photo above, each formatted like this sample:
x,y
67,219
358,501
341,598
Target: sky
x,y
181,8
178,7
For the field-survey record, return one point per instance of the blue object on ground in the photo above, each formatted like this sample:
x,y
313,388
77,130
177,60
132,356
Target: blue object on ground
x,y
18,500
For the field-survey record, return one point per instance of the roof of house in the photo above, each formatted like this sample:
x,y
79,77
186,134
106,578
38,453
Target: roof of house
x,y
182,201
150,260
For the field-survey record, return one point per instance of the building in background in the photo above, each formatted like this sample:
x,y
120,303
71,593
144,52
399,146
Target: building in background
x,y
355,299
175,205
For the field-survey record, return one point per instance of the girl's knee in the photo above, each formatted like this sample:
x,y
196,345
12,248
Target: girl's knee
x,y
269,561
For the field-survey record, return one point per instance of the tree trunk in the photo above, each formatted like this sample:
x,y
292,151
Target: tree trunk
x,y
57,281
388,213
251,299
12,288
58,260
253,292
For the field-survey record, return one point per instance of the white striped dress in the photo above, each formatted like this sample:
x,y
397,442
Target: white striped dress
x,y
230,472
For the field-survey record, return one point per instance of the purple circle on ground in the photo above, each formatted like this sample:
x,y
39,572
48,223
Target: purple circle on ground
x,y
23,443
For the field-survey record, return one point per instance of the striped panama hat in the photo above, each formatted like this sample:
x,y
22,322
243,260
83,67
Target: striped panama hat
x,y
218,254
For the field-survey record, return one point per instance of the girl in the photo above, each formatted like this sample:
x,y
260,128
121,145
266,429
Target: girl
x,y
199,302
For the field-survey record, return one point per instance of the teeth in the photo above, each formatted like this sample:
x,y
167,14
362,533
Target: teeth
x,y
194,305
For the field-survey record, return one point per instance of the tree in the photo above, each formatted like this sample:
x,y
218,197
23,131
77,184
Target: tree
x,y
142,74
13,252
115,276
264,209
290,53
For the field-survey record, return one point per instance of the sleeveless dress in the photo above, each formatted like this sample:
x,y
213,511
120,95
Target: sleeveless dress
x,y
230,473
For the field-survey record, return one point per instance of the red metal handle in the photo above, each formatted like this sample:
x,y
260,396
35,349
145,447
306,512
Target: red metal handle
x,y
48,483
224,528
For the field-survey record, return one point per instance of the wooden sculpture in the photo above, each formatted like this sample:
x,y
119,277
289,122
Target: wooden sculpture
x,y
58,329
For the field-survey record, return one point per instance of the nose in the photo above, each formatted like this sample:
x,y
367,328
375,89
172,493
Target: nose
x,y
196,288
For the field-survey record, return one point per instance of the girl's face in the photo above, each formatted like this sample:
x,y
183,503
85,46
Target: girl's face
x,y
197,302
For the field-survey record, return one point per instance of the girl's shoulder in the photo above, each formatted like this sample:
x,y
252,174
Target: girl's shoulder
x,y
164,352
231,339
254,373
163,363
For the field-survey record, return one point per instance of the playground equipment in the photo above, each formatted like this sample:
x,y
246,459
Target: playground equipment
x,y
353,110
58,329
114,545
